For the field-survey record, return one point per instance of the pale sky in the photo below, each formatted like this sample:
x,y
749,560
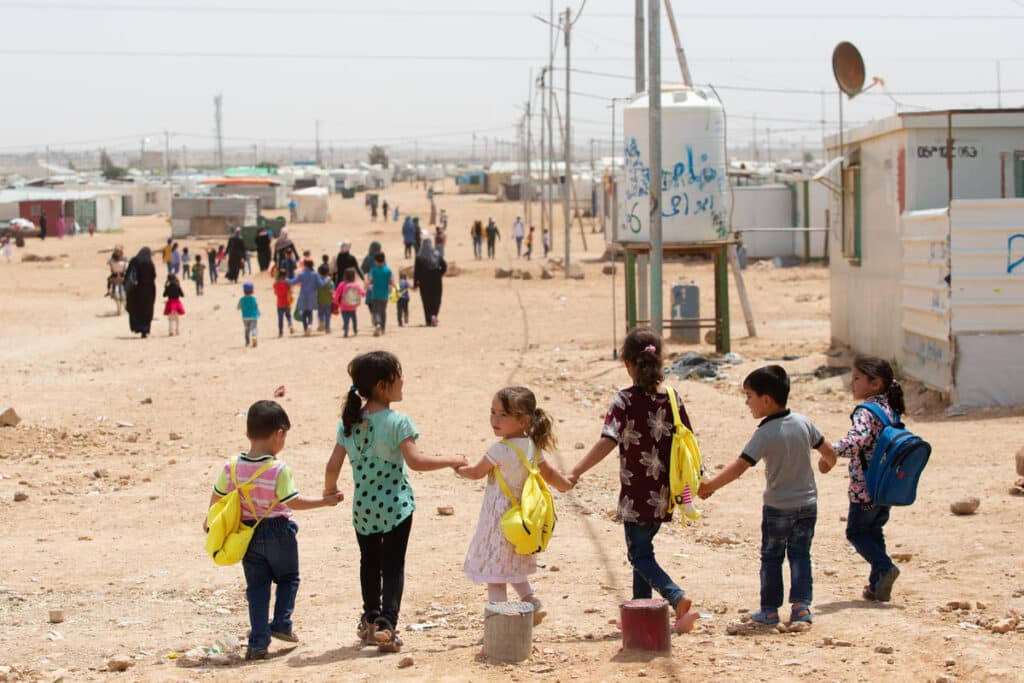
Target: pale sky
x,y
81,74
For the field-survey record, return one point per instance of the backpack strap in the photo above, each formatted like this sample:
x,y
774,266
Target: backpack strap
x,y
243,488
677,421
501,480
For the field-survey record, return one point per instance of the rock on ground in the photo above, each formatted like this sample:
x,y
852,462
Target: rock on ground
x,y
965,506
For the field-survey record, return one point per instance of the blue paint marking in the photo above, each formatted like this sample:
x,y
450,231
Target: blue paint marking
x,y
1012,264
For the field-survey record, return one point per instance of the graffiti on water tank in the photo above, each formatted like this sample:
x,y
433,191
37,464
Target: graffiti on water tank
x,y
686,188
1011,262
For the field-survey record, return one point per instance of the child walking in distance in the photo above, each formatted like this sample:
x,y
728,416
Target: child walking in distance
x,y
186,264
783,440
324,296
173,309
491,558
273,553
283,296
402,305
211,258
381,283
197,274
639,422
382,442
872,381
349,296
250,309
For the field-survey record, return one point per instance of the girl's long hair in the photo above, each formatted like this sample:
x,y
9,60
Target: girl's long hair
x,y
520,402
366,371
879,368
642,348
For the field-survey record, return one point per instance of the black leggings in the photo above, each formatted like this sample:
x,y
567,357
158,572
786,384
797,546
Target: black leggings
x,y
382,571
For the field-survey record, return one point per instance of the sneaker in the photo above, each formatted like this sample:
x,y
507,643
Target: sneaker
x,y
883,587
869,594
253,654
288,637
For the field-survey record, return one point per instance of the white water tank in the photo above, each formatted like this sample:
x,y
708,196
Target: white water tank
x,y
694,186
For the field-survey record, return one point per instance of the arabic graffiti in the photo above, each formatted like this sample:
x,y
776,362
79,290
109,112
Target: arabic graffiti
x,y
1012,263
688,188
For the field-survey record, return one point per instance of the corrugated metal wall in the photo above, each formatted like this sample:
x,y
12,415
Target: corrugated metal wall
x,y
987,253
927,347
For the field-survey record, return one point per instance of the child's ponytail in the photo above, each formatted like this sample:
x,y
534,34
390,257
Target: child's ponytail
x,y
367,370
542,431
879,368
642,348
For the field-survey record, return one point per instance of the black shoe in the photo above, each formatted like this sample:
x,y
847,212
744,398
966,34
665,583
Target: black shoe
x,y
289,637
883,588
252,654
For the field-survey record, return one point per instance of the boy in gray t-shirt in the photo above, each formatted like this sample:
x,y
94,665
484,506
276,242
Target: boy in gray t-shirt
x,y
783,440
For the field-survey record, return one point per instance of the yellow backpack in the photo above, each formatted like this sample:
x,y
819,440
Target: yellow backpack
x,y
227,538
529,524
684,464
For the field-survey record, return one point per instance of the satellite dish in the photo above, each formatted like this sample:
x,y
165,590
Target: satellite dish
x,y
848,68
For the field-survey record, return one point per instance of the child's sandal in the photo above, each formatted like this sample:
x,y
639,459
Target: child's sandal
x,y
801,614
765,617
386,636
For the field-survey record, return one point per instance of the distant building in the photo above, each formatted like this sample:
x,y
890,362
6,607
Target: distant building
x,y
927,253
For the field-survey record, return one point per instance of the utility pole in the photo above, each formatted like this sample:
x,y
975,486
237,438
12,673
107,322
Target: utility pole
x,y
142,156
318,142
255,154
167,156
184,159
551,114
528,193
217,101
638,47
473,155
543,185
753,140
654,189
568,139
999,86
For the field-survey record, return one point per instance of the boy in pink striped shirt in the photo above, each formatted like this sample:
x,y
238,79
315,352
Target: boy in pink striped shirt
x,y
273,553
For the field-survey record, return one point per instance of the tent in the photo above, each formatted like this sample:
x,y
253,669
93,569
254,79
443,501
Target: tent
x,y
311,205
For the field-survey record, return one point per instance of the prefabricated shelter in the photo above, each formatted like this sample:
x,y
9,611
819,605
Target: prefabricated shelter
x,y
777,219
927,249
311,205
212,216
100,209
137,198
271,193
473,182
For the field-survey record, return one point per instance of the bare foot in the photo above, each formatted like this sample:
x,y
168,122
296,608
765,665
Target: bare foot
x,y
685,619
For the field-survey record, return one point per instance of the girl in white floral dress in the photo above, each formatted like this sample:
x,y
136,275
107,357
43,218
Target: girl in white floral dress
x,y
491,559
639,423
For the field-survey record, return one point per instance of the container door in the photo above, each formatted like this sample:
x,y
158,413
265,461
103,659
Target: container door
x,y
927,342
1018,174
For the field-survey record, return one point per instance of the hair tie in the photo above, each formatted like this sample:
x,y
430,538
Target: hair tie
x,y
894,382
650,349
353,390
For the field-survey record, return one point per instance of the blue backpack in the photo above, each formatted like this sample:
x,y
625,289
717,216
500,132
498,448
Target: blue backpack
x,y
897,462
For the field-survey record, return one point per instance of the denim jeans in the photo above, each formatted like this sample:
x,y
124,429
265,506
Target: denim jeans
x,y
283,313
786,533
647,574
272,557
402,311
379,307
382,571
346,316
307,318
477,251
250,329
323,314
864,526
519,247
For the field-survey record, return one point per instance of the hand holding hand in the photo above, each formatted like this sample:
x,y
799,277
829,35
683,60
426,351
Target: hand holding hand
x,y
573,479
705,490
460,461
332,499
824,465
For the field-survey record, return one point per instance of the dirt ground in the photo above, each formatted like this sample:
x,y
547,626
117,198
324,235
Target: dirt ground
x,y
110,531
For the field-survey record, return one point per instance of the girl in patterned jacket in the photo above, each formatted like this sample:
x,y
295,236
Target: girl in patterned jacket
x,y
872,381
639,422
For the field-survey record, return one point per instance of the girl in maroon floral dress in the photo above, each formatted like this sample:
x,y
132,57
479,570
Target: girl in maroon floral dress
x,y
639,422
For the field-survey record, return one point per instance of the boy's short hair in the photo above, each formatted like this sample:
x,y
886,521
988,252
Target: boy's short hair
x,y
378,257
264,418
247,287
772,381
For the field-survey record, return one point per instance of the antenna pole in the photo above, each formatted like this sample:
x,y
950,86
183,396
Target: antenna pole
x,y
684,68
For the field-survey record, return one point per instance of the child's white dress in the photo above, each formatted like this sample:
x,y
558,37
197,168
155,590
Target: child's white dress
x,y
491,558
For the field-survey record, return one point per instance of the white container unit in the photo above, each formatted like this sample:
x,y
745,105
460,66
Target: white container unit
x,y
694,186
